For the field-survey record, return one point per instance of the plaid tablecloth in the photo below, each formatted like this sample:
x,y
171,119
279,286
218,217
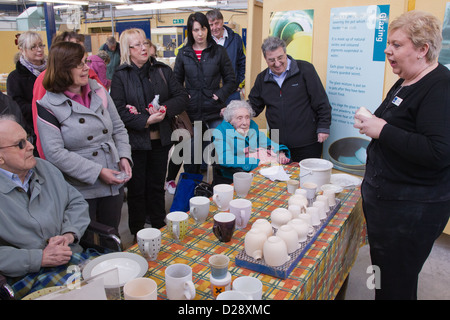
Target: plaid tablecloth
x,y
318,275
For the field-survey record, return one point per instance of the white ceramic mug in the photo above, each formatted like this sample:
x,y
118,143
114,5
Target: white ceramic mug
x,y
295,210
140,289
314,213
179,285
242,209
177,224
325,201
222,195
331,195
275,251
250,286
301,227
280,216
311,189
232,295
292,185
254,242
264,225
149,242
290,237
242,182
199,208
320,205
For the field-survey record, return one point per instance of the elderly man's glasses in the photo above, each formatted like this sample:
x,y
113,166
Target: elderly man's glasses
x,y
22,143
145,44
83,64
36,47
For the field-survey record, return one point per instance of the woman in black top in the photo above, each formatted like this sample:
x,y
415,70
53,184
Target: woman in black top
x,y
208,75
406,187
135,83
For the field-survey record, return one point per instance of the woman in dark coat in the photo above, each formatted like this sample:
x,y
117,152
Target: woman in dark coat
x,y
135,83
20,82
207,73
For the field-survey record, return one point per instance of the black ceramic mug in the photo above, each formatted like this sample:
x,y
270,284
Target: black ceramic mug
x,y
224,224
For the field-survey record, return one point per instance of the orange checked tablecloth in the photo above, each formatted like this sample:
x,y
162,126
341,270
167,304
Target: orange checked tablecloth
x,y
318,275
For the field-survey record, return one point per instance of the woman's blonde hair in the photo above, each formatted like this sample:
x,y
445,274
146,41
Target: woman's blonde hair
x,y
422,28
28,39
125,43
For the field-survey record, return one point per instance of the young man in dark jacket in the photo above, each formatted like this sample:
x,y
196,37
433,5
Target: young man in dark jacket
x,y
295,100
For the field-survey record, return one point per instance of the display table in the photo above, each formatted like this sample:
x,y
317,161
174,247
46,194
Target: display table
x,y
318,275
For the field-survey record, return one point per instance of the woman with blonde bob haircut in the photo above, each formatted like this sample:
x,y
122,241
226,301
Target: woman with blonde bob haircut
x,y
405,192
135,84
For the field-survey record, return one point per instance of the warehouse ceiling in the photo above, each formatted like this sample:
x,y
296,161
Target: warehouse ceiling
x,y
105,8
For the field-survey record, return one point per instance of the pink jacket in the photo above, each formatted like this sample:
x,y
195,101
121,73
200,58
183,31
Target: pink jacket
x,y
99,66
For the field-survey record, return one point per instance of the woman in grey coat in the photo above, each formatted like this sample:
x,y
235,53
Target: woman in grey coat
x,y
82,133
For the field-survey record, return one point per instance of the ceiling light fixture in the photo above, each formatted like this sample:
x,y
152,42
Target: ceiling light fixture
x,y
168,5
82,3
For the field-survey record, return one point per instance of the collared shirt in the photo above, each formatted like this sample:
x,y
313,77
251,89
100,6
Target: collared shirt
x,y
221,41
280,79
83,99
15,178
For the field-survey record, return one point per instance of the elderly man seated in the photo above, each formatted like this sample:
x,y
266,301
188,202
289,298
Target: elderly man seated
x,y
240,145
42,216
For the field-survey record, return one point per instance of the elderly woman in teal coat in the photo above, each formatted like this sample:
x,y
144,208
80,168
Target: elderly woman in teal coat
x,y
239,144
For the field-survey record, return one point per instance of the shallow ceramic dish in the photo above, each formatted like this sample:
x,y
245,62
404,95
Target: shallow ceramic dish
x,y
345,180
129,266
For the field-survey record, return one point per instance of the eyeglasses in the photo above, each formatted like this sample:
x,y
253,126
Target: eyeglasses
x,y
22,143
277,59
145,44
36,47
83,64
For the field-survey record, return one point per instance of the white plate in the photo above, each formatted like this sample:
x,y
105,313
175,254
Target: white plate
x,y
336,188
345,180
129,266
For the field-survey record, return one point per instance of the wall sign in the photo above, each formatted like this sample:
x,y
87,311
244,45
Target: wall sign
x,y
355,78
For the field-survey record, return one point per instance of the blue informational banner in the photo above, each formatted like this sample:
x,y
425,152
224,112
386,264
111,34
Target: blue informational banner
x,y
355,78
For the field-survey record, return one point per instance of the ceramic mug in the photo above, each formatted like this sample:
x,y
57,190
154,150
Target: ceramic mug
x,y
242,209
292,185
219,265
249,286
320,205
275,251
298,200
224,225
290,237
140,289
311,189
314,213
199,208
242,182
177,224
254,242
222,195
179,285
149,242
280,216
264,225
301,227
232,295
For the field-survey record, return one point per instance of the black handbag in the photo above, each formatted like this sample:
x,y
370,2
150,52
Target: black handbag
x,y
203,189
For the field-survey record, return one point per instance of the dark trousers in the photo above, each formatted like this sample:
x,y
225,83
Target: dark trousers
x,y
401,235
310,151
146,195
107,210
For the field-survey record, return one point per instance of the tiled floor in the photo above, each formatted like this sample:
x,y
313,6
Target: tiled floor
x,y
434,281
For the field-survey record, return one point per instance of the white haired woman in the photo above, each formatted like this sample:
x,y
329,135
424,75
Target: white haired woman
x,y
240,145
